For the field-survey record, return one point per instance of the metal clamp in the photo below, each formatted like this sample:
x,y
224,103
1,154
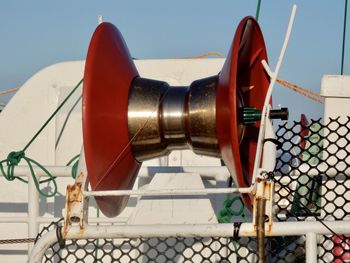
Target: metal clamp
x,y
236,228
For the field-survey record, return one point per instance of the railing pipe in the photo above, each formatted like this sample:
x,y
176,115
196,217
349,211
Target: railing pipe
x,y
188,230
156,192
311,247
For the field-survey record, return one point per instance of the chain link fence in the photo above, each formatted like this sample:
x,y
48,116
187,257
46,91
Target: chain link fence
x,y
311,184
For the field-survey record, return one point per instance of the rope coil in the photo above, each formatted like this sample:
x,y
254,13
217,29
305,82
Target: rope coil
x,y
227,212
13,159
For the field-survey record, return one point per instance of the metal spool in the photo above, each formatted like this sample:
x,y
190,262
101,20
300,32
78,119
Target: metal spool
x,y
128,119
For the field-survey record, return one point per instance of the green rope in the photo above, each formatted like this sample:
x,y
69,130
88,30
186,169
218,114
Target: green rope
x,y
73,171
344,33
226,213
52,115
15,157
258,10
75,159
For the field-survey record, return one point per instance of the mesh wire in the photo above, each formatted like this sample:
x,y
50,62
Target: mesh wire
x,y
307,150
177,249
311,184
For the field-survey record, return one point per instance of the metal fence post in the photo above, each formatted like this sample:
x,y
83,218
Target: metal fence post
x,y
311,247
33,211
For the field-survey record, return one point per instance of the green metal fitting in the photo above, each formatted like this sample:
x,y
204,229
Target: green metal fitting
x,y
250,115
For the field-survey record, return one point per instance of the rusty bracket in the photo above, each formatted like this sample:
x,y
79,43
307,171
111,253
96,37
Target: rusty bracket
x,y
262,212
264,190
76,209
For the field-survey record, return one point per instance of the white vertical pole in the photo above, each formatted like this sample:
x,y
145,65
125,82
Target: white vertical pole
x,y
311,247
33,210
269,149
273,75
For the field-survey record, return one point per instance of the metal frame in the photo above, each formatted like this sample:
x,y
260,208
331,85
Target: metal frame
x,y
310,229
34,219
76,224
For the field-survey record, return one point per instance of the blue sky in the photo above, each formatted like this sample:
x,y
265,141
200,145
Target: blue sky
x,y
35,34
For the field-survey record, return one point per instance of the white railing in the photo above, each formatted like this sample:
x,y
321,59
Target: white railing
x,y
33,219
310,229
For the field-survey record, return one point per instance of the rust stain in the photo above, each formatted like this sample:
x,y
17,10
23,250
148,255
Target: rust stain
x,y
74,199
267,191
74,193
254,201
259,216
80,177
